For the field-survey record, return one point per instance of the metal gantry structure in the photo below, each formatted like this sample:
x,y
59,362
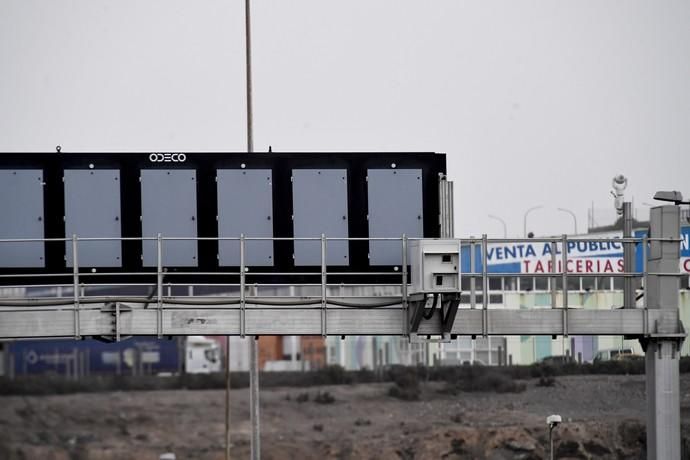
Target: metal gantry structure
x,y
252,307
325,303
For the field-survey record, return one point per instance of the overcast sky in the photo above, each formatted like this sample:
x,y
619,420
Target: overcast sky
x,y
535,102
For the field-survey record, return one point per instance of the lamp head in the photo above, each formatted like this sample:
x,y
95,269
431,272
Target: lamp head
x,y
674,197
553,421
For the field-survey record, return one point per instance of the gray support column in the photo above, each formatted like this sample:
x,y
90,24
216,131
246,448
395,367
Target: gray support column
x,y
628,257
228,441
255,447
662,351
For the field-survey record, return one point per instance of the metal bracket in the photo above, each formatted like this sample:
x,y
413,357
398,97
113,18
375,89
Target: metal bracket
x,y
115,309
447,311
415,313
677,337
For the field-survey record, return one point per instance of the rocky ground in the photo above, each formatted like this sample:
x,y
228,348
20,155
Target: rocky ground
x,y
603,418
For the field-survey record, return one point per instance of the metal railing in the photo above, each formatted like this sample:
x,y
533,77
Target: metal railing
x,y
319,294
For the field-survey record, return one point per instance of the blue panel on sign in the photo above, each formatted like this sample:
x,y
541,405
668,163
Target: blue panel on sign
x,y
92,210
168,207
395,208
245,206
21,216
319,202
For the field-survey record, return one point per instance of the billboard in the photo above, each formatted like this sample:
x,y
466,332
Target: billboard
x,y
584,257
203,202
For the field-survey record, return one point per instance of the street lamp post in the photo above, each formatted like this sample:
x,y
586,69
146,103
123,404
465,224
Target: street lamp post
x,y
552,421
572,214
524,219
505,227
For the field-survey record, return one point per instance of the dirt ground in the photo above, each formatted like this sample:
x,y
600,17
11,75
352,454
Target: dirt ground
x,y
603,418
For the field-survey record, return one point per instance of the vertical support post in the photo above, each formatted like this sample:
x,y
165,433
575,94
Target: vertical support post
x,y
117,321
248,55
159,286
75,288
445,194
442,204
473,271
663,348
406,318
228,442
324,318
243,287
254,398
451,216
564,270
628,258
485,288
645,298
446,219
554,278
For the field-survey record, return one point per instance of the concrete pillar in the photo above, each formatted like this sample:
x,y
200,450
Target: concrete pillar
x,y
662,345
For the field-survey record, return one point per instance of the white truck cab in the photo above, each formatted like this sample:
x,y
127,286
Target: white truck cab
x,y
202,355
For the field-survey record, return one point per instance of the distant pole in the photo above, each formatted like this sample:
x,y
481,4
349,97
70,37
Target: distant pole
x,y
629,284
503,222
524,218
574,218
248,41
254,346
227,400
254,397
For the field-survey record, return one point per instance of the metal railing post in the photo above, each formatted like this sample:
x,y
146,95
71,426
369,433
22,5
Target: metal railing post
x,y
324,318
117,321
75,274
159,285
406,320
243,298
553,278
485,287
564,250
452,214
473,271
645,313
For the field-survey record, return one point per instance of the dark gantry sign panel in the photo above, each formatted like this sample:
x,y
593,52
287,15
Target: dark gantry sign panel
x,y
21,216
92,210
207,196
320,207
396,208
245,207
168,207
